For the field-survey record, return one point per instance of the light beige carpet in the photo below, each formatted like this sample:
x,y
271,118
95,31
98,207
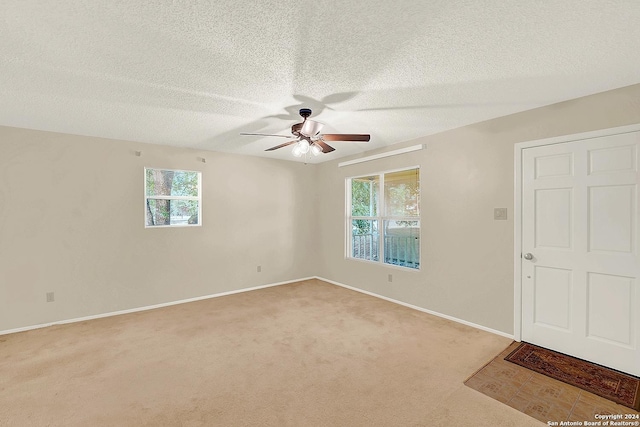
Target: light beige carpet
x,y
303,354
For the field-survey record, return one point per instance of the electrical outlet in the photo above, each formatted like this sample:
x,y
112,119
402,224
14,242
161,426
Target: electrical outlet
x,y
50,297
390,278
259,268
499,213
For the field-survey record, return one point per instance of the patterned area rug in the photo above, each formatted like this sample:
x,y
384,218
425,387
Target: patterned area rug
x,y
613,385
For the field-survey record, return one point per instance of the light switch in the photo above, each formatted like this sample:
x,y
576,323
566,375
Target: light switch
x,y
499,213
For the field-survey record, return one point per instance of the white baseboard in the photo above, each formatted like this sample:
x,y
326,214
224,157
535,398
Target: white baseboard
x,y
167,304
149,307
424,310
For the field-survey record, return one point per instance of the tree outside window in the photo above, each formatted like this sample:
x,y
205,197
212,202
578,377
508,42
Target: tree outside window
x,y
172,197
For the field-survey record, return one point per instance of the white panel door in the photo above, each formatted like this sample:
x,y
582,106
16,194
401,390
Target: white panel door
x,y
581,265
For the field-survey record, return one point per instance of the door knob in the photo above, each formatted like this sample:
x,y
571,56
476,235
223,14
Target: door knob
x,y
528,256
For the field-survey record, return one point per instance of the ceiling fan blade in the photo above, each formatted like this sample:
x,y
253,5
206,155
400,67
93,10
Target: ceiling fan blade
x,y
265,134
281,145
353,137
326,148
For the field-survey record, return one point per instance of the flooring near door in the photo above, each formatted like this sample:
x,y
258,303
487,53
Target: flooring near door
x,y
612,385
543,398
581,249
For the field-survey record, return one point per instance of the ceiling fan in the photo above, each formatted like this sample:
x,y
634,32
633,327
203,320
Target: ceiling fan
x,y
309,137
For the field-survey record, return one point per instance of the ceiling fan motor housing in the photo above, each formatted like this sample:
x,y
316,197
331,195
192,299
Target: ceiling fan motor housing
x,y
295,129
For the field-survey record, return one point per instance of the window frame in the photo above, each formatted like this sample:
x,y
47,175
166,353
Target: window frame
x,y
197,198
380,218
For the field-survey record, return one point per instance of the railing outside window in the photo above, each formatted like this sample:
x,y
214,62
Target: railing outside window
x,y
365,246
402,250
398,250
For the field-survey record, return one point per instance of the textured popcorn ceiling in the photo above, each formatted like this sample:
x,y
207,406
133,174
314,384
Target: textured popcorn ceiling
x,y
197,73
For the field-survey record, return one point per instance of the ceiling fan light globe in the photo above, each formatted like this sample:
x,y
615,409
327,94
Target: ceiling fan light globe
x,y
316,149
304,146
297,151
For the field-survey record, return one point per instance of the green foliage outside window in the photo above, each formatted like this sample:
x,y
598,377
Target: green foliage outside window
x,y
364,202
169,183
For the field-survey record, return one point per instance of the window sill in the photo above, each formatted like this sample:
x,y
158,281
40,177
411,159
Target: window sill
x,y
384,264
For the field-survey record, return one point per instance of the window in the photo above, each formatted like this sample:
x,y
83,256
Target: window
x,y
384,218
172,198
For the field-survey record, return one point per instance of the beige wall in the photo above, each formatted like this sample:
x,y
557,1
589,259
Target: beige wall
x,y
467,257
72,222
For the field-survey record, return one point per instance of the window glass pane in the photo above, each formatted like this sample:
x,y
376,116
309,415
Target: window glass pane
x,y
364,239
172,212
364,196
402,243
402,193
171,183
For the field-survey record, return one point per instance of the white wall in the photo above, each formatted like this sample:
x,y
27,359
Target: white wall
x,y
467,257
72,223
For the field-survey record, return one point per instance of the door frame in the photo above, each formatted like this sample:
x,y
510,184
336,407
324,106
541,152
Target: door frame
x,y
517,208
